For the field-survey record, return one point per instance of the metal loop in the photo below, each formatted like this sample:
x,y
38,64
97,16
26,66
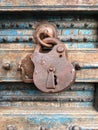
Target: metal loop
x,y
51,41
42,42
43,31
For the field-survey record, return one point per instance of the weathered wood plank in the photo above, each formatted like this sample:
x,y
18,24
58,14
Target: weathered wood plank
x,y
30,96
30,23
14,56
23,86
51,122
91,114
64,38
74,31
27,92
29,32
49,5
69,45
49,105
65,35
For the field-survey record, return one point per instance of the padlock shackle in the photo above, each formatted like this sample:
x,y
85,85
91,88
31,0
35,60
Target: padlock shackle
x,y
52,40
43,31
42,42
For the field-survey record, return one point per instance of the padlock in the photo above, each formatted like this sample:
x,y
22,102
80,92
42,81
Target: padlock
x,y
52,70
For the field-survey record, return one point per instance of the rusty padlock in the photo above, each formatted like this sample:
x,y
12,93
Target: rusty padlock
x,y
53,72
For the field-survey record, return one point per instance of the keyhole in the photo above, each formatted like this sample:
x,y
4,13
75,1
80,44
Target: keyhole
x,y
55,79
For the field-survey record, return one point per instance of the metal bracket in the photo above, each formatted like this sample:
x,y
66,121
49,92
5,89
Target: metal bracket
x,y
26,67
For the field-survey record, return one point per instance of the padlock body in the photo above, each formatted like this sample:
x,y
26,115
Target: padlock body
x,y
61,77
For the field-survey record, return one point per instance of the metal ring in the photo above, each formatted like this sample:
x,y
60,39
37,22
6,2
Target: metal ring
x,y
42,42
51,41
45,30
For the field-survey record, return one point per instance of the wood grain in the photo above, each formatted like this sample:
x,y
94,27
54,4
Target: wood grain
x,y
49,5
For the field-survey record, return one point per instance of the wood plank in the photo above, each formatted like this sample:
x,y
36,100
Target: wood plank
x,y
9,86
55,122
15,55
49,5
27,92
29,32
74,31
30,23
47,117
85,96
69,112
68,35
69,45
64,38
55,115
49,105
23,35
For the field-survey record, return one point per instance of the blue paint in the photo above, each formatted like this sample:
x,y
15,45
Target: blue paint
x,y
23,26
68,19
86,45
70,32
72,45
86,93
23,86
67,32
89,79
12,32
80,45
30,44
86,104
76,32
86,31
9,3
39,93
89,67
51,120
11,39
16,32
